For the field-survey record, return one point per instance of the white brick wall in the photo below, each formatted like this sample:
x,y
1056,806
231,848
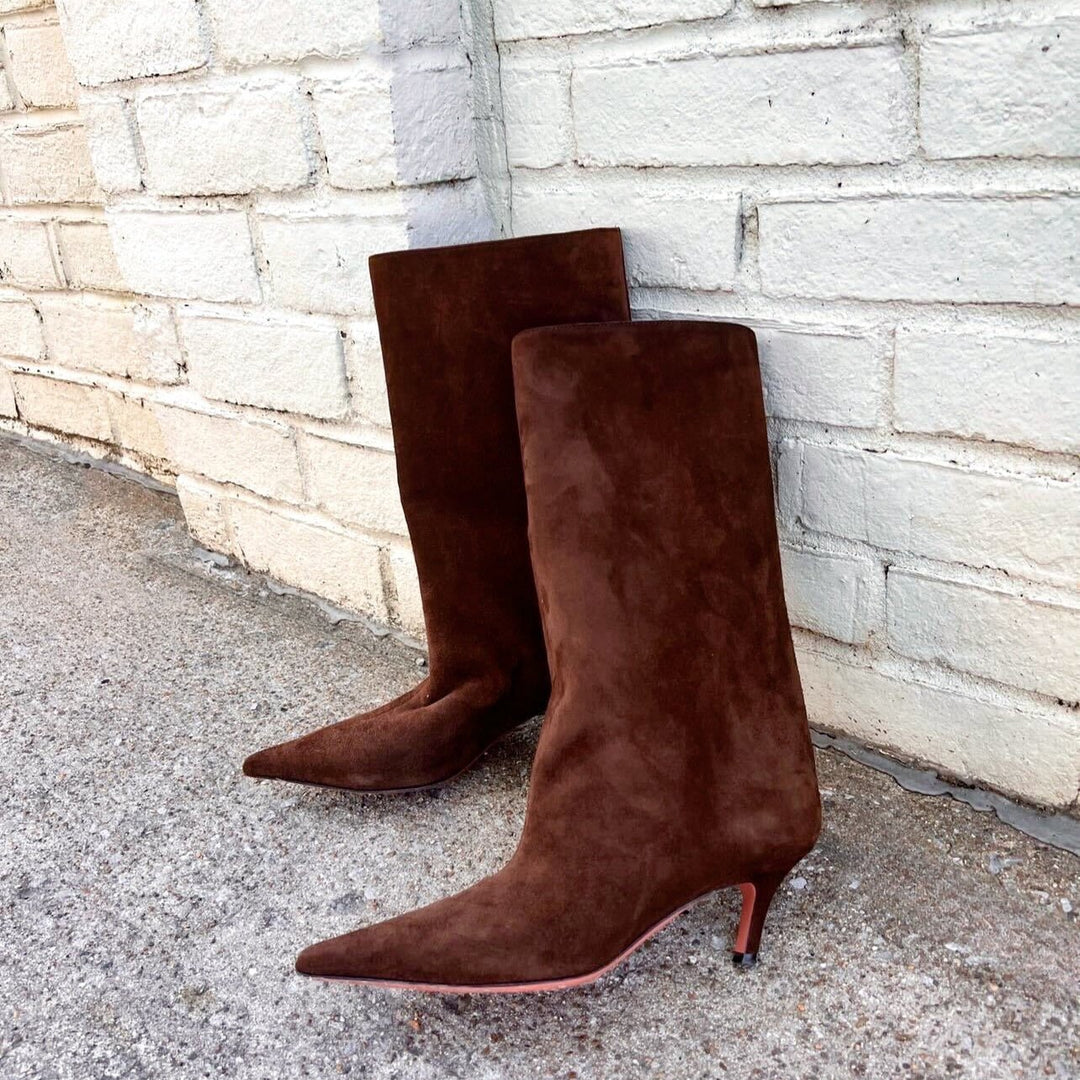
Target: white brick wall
x,y
831,378
1004,93
536,105
224,141
109,40
1023,751
111,134
320,264
38,63
886,193
839,596
254,454
788,108
674,236
47,164
20,330
1003,636
113,337
311,553
247,33
26,254
190,256
218,316
289,365
57,405
8,407
1018,250
1025,525
86,250
1008,389
524,19
354,484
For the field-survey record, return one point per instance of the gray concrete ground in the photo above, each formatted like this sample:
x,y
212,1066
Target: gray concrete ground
x,y
153,898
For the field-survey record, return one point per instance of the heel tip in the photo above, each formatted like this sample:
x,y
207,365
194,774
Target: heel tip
x,y
744,959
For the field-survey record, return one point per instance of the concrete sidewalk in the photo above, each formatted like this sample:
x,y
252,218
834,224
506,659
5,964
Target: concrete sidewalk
x,y
153,899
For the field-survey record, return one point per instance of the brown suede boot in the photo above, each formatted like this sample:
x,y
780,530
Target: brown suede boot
x,y
447,317
675,758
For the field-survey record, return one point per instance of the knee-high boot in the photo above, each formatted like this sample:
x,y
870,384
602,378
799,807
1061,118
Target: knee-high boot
x,y
675,757
447,317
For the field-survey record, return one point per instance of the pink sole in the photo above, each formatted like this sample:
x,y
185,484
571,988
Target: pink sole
x,y
519,988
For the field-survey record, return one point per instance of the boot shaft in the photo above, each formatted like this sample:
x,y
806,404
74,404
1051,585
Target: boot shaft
x,y
676,694
447,317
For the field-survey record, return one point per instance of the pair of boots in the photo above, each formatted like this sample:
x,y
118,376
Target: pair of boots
x,y
602,507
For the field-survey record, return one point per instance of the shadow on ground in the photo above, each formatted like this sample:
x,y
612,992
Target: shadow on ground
x,y
153,899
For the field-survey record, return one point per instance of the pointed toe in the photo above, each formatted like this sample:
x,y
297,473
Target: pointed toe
x,y
263,765
318,961
360,956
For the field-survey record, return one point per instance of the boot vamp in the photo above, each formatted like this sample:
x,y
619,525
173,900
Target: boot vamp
x,y
526,924
418,739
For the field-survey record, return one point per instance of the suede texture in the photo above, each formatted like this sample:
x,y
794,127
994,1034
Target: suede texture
x,y
675,757
447,317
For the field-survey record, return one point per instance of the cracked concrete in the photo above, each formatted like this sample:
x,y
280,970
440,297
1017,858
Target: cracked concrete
x,y
152,899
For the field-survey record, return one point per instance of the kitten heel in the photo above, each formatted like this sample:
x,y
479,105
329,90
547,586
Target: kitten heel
x,y
757,896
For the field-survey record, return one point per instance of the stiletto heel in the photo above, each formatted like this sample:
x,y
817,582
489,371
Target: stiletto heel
x,y
757,895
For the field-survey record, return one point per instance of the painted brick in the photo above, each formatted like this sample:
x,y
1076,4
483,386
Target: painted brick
x,y
189,256
536,113
303,552
111,135
206,513
367,376
432,140
136,341
22,5
1032,754
355,117
89,260
38,62
433,110
1009,92
928,249
7,102
26,256
439,214
835,595
986,632
64,406
1009,389
831,378
406,605
413,22
672,238
1024,525
20,330
247,33
354,484
259,456
296,366
224,141
8,408
136,428
524,19
48,165
109,41
320,264
714,111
